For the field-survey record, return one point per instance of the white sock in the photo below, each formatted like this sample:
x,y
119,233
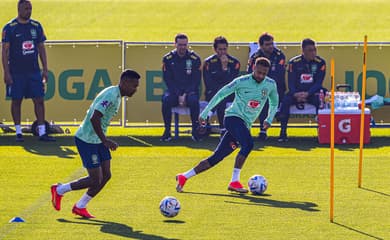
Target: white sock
x,y
84,200
190,173
236,174
42,129
18,129
63,188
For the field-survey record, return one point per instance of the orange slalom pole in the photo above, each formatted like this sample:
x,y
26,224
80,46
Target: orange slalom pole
x,y
332,142
364,81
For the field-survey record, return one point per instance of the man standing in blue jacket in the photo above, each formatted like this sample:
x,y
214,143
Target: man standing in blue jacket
x,y
220,69
277,72
306,72
23,42
182,76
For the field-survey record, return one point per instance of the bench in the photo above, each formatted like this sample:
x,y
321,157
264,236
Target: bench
x,y
302,109
186,111
307,109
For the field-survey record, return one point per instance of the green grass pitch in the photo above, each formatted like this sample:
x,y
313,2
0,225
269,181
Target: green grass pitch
x,y
296,204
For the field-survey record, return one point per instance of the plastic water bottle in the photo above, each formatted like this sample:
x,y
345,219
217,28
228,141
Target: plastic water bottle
x,y
327,100
336,100
348,100
345,99
321,98
356,97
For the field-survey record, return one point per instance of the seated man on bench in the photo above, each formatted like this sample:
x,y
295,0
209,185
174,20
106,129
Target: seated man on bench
x,y
220,69
306,72
182,76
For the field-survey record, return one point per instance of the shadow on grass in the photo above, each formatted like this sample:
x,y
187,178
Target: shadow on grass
x,y
174,221
358,231
374,191
114,228
211,142
32,145
262,201
59,148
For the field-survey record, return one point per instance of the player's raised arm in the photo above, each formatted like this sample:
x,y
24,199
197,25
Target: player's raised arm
x,y
221,94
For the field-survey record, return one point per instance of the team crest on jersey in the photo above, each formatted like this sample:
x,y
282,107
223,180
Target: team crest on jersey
x,y
33,33
188,66
313,68
264,92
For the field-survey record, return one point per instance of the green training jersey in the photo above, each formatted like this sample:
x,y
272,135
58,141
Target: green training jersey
x,y
107,102
250,97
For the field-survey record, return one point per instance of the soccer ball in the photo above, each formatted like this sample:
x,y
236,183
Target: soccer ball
x,y
257,184
169,206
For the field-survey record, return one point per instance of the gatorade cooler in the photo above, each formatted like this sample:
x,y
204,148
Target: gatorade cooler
x,y
347,126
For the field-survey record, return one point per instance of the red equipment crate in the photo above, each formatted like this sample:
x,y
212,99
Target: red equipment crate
x,y
347,126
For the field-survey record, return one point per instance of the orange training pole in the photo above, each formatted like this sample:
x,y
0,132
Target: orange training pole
x,y
332,142
364,80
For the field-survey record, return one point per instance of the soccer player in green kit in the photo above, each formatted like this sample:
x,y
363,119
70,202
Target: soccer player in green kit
x,y
93,146
251,93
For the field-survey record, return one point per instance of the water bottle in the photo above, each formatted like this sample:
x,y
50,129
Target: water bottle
x,y
321,98
348,100
356,97
345,101
327,100
336,100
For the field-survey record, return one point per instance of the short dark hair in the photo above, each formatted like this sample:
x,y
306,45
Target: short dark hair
x,y
307,42
265,37
262,61
220,40
180,36
22,1
130,74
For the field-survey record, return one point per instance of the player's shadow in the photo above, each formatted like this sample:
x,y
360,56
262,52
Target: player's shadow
x,y
261,200
32,145
114,228
297,143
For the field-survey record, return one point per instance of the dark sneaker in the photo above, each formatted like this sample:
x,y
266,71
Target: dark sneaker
x,y
283,137
195,138
194,132
166,137
19,137
46,138
263,135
